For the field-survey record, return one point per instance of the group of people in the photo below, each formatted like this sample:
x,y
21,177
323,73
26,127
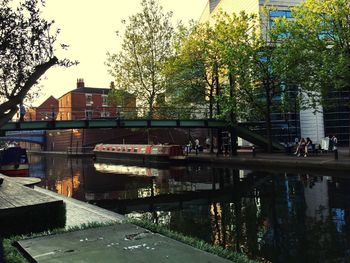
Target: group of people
x,y
303,147
197,146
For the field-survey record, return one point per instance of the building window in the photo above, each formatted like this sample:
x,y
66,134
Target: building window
x,y
88,114
104,100
105,114
281,13
89,101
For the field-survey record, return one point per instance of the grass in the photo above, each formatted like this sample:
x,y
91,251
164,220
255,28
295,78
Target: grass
x,y
194,242
12,255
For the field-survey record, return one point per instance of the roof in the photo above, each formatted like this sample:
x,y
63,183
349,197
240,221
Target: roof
x,y
91,90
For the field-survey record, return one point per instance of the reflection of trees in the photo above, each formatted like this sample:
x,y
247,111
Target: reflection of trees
x,y
268,217
323,242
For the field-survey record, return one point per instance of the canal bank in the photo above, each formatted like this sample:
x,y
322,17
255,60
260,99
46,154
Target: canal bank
x,y
117,239
322,162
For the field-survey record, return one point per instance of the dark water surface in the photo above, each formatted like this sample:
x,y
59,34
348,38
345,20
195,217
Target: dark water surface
x,y
270,216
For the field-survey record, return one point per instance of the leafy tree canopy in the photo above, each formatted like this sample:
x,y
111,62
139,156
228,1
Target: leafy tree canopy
x,y
26,52
138,67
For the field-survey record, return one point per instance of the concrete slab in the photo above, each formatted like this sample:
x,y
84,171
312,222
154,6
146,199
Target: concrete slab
x,y
26,181
78,212
118,243
23,210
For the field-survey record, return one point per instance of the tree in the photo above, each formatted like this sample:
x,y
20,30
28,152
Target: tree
x,y
189,71
253,71
193,71
26,52
317,41
236,40
138,67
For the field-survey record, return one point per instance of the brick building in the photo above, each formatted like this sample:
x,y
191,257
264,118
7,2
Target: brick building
x,y
46,111
89,103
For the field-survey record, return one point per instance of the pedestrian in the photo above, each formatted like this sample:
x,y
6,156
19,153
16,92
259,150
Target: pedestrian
x,y
196,143
301,147
207,143
334,141
22,112
308,145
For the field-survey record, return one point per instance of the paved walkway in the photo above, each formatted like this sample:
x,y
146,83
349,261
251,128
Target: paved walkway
x,y
324,163
118,243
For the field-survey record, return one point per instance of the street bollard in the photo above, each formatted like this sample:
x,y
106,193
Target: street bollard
x,y
253,151
335,154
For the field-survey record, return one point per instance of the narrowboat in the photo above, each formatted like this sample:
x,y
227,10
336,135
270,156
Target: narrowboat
x,y
14,161
139,153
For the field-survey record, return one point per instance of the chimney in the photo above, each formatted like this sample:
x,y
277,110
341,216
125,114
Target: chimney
x,y
80,83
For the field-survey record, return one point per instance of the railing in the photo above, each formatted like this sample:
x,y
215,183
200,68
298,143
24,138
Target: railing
x,y
91,112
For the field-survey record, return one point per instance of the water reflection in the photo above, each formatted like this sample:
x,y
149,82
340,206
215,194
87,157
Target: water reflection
x,y
276,217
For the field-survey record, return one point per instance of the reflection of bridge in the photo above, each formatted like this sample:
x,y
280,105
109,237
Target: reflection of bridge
x,y
38,126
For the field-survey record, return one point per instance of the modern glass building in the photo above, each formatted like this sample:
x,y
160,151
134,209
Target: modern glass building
x,y
294,123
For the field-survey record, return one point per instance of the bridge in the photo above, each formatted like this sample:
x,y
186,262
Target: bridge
x,y
111,123
38,126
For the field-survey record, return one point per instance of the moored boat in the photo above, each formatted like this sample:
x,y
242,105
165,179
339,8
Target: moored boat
x,y
145,153
14,161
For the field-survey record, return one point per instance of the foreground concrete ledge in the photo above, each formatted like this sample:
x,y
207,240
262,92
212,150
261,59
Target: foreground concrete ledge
x,y
24,210
78,212
118,243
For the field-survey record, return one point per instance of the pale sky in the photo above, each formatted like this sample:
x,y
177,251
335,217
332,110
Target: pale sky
x,y
89,27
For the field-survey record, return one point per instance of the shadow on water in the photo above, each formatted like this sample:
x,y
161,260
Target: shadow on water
x,y
270,216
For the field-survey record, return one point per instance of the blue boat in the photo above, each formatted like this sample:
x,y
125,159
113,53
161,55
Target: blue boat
x,y
14,161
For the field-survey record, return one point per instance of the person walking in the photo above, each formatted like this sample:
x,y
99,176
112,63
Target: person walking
x,y
334,141
22,112
196,142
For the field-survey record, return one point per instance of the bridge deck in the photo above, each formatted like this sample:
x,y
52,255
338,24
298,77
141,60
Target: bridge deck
x,y
111,123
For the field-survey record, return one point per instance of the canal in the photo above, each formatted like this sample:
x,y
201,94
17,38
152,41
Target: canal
x,y
269,216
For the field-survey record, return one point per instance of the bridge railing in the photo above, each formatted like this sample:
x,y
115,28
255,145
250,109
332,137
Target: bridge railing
x,y
91,112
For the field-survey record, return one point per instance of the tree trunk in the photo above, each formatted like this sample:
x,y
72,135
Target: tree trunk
x,y
217,87
9,108
211,102
268,120
233,117
211,141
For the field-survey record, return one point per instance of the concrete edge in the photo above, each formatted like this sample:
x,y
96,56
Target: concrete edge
x,y
88,207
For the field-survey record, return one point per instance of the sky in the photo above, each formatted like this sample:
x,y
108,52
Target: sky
x,y
89,28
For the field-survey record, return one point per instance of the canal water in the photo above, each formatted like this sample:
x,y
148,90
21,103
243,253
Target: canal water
x,y
269,216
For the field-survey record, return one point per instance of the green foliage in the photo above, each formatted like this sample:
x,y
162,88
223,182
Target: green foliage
x,y
26,52
237,42
317,45
221,252
138,67
118,97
